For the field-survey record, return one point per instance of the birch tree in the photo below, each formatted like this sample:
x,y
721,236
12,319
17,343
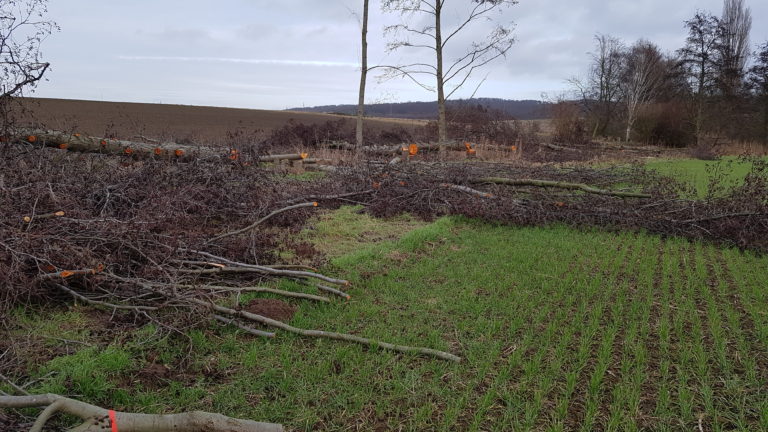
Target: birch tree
x,y
758,82
643,77
432,35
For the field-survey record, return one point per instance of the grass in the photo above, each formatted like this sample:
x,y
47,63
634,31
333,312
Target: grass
x,y
347,230
559,330
727,172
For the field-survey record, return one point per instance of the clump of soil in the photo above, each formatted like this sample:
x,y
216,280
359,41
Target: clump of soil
x,y
271,308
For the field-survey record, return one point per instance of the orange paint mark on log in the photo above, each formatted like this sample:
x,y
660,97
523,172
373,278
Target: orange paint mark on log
x,y
413,149
63,146
315,204
128,150
103,143
77,135
31,138
179,152
158,151
66,274
304,155
468,145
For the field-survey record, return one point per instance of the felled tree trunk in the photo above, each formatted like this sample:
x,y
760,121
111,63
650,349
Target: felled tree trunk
x,y
88,144
397,149
97,419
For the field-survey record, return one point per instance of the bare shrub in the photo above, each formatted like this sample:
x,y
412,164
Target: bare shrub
x,y
568,123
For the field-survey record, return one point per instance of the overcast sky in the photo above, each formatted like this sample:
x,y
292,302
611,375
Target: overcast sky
x,y
292,53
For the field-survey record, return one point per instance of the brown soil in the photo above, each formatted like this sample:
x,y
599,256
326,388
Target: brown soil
x,y
198,124
271,308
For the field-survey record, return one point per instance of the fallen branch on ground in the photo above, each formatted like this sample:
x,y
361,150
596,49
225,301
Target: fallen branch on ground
x,y
324,334
260,221
561,185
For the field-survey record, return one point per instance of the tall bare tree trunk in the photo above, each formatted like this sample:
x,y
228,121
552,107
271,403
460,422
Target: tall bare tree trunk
x,y
363,77
442,126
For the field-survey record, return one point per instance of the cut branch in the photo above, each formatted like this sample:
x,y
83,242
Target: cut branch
x,y
324,334
561,185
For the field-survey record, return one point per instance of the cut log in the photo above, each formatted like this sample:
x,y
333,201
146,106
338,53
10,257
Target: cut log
x,y
398,149
99,419
89,144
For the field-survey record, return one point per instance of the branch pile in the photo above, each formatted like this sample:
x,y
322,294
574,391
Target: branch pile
x,y
613,198
168,241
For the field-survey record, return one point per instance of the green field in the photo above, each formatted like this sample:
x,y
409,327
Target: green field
x,y
559,330
726,172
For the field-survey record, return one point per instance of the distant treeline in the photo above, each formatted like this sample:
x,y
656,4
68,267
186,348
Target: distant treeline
x,y
515,109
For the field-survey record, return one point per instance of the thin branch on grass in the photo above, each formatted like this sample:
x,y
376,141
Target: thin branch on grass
x,y
236,267
333,291
245,328
260,221
323,334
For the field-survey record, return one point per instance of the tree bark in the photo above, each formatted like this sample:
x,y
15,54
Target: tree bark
x,y
363,77
442,124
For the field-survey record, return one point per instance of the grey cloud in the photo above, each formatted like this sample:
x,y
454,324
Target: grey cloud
x,y
270,54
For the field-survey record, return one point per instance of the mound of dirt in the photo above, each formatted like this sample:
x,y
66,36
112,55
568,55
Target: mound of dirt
x,y
271,308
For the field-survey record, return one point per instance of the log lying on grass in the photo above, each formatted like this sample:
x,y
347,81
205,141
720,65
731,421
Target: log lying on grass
x,y
97,419
89,144
561,185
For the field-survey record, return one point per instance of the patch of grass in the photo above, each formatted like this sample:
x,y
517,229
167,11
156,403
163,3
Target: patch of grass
x,y
729,171
307,176
559,330
91,373
348,230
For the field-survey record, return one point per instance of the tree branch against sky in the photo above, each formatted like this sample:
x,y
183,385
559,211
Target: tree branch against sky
x,y
23,28
424,27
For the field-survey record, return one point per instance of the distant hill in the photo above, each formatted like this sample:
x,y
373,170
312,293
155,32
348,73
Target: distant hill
x,y
519,109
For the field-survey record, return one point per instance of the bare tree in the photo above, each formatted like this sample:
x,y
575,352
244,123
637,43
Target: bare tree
x,y
600,92
758,82
433,37
363,76
736,23
642,79
23,27
700,61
